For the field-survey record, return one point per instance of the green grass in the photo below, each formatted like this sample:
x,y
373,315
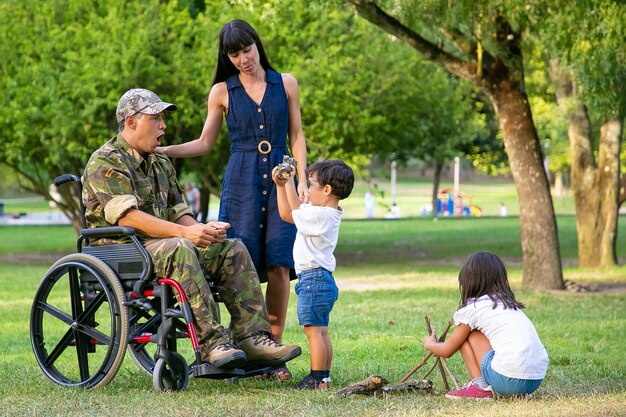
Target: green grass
x,y
19,205
29,239
389,273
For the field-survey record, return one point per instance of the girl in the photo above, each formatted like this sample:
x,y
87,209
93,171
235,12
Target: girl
x,y
498,343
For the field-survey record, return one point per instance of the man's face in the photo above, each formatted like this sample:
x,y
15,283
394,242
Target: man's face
x,y
149,129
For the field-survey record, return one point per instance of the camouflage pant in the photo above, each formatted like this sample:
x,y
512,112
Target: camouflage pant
x,y
227,264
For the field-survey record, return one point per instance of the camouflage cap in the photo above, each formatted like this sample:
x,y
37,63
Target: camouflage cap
x,y
140,100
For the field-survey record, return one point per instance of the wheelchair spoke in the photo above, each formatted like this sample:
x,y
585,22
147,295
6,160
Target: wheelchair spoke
x,y
55,312
58,350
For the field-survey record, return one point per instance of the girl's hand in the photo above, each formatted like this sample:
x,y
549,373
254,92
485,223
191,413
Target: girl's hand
x,y
431,340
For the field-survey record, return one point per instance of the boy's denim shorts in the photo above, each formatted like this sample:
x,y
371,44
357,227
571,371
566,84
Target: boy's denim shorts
x,y
317,292
504,385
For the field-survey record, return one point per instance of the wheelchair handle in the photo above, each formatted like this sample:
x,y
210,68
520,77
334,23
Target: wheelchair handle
x,y
65,178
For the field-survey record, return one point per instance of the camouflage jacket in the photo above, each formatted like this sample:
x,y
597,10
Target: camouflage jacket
x,y
117,178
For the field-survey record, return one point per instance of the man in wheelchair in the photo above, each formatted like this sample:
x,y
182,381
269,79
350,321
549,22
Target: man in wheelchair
x,y
127,183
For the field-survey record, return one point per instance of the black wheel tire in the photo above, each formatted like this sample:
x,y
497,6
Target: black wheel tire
x,y
79,323
172,377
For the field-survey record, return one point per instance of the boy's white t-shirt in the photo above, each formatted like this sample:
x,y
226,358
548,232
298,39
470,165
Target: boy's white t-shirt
x,y
318,231
518,351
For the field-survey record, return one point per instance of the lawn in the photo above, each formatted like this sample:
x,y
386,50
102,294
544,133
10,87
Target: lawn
x,y
390,273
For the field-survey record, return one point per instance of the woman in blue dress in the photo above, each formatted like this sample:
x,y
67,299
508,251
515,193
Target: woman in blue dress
x,y
262,112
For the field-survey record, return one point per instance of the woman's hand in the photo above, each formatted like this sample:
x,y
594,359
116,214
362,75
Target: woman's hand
x,y
302,191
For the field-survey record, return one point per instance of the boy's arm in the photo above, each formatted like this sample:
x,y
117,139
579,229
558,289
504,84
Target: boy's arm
x,y
286,195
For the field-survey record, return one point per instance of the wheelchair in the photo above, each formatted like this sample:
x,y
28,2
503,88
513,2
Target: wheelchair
x,y
93,305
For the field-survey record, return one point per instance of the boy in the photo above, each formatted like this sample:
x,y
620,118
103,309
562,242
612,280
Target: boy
x,y
317,223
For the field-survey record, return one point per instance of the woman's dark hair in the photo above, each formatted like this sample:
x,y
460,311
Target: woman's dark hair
x,y
234,36
334,173
484,273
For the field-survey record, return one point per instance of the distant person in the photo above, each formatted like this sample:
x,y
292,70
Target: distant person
x,y
369,205
394,212
503,210
317,223
498,343
193,199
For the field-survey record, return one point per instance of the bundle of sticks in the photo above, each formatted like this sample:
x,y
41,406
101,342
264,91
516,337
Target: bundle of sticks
x,y
376,384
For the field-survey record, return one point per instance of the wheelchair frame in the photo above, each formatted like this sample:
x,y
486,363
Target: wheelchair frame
x,y
114,304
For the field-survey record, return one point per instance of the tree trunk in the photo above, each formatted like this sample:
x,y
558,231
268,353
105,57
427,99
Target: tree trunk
x,y
595,186
502,80
437,180
622,191
540,243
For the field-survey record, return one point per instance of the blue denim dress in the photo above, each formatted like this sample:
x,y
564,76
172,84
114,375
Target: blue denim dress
x,y
248,200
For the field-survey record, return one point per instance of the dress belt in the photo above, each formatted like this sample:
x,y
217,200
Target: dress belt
x,y
247,147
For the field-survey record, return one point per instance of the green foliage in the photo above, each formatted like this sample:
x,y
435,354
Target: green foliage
x,y
68,61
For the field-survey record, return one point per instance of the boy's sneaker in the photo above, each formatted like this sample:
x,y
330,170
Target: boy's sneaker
x,y
310,383
226,355
261,348
470,390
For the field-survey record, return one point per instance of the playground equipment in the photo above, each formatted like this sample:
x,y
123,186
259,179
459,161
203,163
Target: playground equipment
x,y
461,205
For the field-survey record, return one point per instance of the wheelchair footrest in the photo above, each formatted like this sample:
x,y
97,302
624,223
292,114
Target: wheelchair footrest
x,y
206,370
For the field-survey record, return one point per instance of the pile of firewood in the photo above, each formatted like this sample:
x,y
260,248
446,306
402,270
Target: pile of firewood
x,y
378,385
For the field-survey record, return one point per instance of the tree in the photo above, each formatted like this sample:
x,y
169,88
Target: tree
x,y
65,64
588,68
478,43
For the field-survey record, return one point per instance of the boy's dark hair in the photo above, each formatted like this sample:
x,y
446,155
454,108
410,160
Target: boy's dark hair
x,y
234,36
484,273
334,173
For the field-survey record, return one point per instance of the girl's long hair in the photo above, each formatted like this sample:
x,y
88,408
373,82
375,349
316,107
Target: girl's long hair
x,y
234,36
484,273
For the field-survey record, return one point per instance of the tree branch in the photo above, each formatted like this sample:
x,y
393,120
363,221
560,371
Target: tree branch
x,y
372,12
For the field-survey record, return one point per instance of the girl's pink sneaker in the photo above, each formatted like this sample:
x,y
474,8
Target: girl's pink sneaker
x,y
470,390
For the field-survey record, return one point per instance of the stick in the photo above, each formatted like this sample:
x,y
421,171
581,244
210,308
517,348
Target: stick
x,y
432,368
437,359
418,366
428,354
445,365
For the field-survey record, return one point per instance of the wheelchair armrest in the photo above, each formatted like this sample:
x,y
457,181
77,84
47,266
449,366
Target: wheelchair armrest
x,y
113,231
120,231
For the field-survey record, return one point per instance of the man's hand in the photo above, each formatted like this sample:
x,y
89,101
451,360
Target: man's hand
x,y
202,235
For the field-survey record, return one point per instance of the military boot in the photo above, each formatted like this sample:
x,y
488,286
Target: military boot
x,y
261,349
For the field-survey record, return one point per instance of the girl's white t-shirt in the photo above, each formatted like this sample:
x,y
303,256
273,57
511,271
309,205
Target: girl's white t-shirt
x,y
518,351
318,231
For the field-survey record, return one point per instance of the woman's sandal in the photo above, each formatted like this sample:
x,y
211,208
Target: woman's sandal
x,y
281,373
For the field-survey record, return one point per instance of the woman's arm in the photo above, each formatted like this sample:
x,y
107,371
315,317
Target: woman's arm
x,y
216,104
451,345
297,142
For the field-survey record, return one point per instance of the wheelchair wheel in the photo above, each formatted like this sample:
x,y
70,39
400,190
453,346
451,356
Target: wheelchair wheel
x,y
173,376
79,323
142,322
